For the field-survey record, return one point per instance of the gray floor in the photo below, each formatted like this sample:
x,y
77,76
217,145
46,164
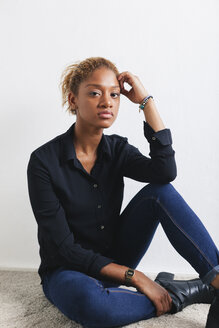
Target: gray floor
x,y
23,305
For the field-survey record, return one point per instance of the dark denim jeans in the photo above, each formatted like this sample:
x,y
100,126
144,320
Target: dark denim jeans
x,y
96,303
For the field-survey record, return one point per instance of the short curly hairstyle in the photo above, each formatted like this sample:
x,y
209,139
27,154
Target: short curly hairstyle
x,y
78,72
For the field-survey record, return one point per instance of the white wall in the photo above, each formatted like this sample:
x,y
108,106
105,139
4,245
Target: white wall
x,y
171,45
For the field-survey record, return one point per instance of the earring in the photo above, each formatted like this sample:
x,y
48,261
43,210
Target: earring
x,y
73,110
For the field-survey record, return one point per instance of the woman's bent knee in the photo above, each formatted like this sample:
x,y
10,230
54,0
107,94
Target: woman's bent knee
x,y
80,297
92,308
154,189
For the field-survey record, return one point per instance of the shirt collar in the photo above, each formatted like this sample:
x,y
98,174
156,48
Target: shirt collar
x,y
68,149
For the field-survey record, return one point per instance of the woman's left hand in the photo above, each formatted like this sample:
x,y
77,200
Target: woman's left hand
x,y
137,93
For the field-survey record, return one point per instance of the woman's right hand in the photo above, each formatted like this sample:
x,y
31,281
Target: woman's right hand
x,y
156,293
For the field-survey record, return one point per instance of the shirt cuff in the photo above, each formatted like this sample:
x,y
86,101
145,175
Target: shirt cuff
x,y
98,264
163,137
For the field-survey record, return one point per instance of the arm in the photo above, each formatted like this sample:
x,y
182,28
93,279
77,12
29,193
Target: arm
x,y
157,294
136,94
58,240
161,167
116,273
152,116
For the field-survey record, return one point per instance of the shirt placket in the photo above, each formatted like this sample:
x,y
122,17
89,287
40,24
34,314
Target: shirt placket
x,y
97,197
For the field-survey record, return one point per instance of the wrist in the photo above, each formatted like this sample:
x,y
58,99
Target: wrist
x,y
143,97
144,102
150,103
131,277
138,278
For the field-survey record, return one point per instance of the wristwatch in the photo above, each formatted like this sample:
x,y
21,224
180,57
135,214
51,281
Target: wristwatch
x,y
128,276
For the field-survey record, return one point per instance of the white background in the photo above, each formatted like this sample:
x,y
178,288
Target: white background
x,y
171,45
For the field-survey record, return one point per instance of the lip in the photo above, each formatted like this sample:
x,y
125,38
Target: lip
x,y
105,114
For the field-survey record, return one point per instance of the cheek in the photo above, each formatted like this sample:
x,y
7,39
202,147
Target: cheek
x,y
88,108
84,104
117,104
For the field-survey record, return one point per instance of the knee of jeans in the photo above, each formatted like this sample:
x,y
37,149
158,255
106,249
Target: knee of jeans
x,y
154,189
87,302
94,309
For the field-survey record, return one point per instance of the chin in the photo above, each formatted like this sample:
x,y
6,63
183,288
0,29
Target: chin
x,y
106,123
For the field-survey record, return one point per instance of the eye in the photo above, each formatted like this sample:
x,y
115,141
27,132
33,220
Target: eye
x,y
117,94
114,94
92,93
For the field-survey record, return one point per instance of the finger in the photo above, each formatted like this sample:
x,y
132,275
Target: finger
x,y
124,92
170,301
121,84
128,80
126,77
123,73
122,88
159,307
163,306
166,305
120,76
166,302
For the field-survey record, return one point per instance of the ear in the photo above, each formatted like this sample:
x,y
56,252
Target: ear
x,y
72,100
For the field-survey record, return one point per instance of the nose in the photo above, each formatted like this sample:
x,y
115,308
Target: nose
x,y
106,101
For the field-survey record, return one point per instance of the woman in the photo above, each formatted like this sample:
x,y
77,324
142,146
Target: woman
x,y
87,248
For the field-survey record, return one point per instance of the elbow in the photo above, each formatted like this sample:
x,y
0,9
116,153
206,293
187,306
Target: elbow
x,y
165,177
165,172
170,178
170,174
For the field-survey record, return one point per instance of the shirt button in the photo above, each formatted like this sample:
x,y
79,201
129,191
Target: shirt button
x,y
102,227
99,206
153,138
95,185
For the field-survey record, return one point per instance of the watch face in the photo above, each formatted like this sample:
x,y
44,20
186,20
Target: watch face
x,y
130,273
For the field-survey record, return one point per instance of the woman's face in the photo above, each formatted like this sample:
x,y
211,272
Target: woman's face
x,y
100,92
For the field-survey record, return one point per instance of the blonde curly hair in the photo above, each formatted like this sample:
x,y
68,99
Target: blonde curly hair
x,y
76,73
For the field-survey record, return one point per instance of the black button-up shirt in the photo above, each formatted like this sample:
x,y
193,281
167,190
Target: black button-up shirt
x,y
77,212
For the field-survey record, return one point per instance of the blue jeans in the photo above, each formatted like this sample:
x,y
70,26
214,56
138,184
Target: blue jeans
x,y
96,303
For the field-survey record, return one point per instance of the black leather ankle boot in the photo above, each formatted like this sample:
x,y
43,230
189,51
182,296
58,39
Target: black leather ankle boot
x,y
185,292
213,314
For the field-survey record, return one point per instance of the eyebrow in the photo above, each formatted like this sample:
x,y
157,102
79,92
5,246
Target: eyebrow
x,y
99,85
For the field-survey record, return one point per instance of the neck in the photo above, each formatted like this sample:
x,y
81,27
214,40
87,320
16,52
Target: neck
x,y
87,138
